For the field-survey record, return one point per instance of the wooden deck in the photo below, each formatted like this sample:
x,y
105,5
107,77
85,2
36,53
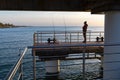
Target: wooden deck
x,y
63,49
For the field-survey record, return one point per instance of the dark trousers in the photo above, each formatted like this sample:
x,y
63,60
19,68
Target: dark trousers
x,y
84,36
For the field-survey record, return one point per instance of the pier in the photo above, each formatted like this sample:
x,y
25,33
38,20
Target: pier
x,y
52,47
68,48
64,43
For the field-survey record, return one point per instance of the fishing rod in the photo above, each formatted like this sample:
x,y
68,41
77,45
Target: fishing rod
x,y
53,26
65,28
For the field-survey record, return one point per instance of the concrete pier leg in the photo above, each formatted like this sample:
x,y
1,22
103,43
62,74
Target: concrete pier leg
x,y
111,63
52,66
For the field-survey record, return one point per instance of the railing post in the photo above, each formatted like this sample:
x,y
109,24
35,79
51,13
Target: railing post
x,y
34,65
65,36
41,36
100,34
37,38
78,36
54,35
95,55
88,55
84,49
70,38
34,40
89,35
21,71
20,68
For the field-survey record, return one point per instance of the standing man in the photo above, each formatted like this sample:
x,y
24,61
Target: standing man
x,y
84,31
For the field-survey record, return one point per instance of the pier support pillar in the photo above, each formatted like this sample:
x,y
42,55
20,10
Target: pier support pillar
x,y
111,63
52,66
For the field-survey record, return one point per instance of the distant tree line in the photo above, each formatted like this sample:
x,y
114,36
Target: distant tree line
x,y
5,25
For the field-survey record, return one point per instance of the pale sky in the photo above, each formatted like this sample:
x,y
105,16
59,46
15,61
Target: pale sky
x,y
39,18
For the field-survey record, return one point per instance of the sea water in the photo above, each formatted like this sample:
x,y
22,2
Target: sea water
x,y
14,39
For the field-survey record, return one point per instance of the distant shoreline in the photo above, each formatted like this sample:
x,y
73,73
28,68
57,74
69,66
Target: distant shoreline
x,y
11,26
6,25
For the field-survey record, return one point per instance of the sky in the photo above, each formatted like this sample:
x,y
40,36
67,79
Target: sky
x,y
46,18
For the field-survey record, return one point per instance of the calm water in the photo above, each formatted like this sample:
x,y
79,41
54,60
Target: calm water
x,y
13,39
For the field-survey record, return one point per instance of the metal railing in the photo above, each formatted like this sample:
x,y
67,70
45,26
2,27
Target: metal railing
x,y
69,37
17,68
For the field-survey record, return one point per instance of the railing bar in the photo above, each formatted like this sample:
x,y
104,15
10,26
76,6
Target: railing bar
x,y
90,55
16,66
71,45
73,57
53,56
20,74
67,32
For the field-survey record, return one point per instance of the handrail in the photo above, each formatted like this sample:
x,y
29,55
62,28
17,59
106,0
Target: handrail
x,y
16,66
70,36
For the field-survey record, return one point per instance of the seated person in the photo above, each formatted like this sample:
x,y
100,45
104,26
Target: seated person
x,y
54,40
48,40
